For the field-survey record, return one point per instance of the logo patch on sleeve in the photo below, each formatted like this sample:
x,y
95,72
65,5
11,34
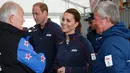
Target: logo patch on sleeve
x,y
108,60
93,56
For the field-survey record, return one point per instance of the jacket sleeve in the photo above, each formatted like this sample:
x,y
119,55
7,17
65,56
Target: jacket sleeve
x,y
89,53
57,32
27,56
114,59
56,66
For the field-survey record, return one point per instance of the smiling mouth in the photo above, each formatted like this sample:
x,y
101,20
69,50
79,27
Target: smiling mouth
x,y
64,27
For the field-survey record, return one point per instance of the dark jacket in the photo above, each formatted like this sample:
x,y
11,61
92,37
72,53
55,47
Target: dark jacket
x,y
91,36
114,53
74,55
17,55
9,40
44,40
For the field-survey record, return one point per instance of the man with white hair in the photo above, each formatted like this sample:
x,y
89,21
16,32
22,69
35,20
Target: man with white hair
x,y
16,53
114,46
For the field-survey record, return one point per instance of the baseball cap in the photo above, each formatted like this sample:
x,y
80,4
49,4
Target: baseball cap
x,y
89,17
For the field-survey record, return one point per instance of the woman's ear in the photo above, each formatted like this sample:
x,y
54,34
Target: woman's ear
x,y
76,24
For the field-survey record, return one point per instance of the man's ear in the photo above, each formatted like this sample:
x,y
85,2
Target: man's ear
x,y
105,20
108,19
11,18
45,12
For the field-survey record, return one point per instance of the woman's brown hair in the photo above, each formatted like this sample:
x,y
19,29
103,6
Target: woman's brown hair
x,y
77,17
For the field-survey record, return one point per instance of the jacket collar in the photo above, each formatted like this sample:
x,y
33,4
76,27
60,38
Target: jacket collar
x,y
8,27
74,36
118,29
47,23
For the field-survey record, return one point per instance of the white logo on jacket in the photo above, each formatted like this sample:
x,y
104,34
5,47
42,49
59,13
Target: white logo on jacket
x,y
128,61
49,35
74,50
98,38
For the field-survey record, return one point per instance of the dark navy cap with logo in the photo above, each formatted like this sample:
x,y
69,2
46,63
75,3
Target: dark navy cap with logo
x,y
89,17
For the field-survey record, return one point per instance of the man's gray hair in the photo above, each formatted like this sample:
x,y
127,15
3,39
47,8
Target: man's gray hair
x,y
7,9
108,9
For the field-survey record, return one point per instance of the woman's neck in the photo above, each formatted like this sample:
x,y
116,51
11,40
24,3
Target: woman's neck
x,y
67,35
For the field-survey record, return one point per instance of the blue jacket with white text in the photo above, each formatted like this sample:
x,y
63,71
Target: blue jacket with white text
x,y
74,55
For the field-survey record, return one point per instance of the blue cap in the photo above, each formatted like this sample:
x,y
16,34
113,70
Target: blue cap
x,y
89,17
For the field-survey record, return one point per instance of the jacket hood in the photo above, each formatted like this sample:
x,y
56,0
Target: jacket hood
x,y
118,29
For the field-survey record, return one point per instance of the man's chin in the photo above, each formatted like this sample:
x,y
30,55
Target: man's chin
x,y
37,23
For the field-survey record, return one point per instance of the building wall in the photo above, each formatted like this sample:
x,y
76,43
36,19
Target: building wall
x,y
125,16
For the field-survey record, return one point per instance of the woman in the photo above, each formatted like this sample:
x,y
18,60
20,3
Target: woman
x,y
73,52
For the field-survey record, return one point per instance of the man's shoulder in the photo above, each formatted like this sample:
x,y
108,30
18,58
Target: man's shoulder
x,y
113,43
54,24
55,27
114,39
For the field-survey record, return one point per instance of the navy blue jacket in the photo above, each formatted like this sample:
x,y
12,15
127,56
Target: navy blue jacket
x,y
114,51
91,36
45,41
74,56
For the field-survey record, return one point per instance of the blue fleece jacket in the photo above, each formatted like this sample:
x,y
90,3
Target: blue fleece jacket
x,y
114,51
74,55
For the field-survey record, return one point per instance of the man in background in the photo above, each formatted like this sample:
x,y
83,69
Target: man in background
x,y
91,35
